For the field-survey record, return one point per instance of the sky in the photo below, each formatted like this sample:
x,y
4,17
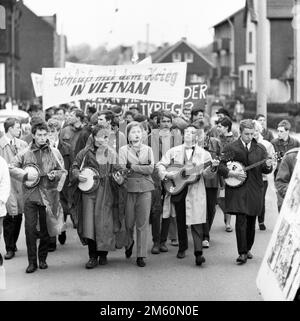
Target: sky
x,y
114,22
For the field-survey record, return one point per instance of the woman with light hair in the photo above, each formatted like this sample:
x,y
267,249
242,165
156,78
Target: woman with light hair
x,y
258,130
138,159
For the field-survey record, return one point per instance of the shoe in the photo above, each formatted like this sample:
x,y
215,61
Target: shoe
x,y
92,263
205,244
52,247
200,259
102,260
163,248
43,265
228,228
9,255
262,226
31,268
249,255
1,260
155,249
128,252
242,259
62,238
181,254
140,262
174,243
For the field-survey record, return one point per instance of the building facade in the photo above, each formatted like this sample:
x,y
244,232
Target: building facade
x,y
9,49
40,47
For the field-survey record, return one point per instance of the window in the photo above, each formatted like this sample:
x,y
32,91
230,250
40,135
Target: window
x,y
188,57
176,57
250,80
2,17
250,42
2,78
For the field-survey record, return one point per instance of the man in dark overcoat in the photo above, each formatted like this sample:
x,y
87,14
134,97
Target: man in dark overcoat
x,y
245,201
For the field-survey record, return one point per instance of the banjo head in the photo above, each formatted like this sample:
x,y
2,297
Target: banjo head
x,y
232,181
92,182
34,170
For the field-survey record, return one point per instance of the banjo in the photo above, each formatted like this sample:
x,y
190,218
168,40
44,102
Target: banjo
x,y
236,166
34,170
92,180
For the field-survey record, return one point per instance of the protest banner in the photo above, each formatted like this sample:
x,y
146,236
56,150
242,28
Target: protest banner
x,y
279,275
194,96
154,82
37,81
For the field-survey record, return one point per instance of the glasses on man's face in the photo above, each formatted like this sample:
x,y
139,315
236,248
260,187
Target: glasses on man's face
x,y
166,121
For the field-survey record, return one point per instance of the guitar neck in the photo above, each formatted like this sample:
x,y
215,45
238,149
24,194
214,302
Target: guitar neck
x,y
198,168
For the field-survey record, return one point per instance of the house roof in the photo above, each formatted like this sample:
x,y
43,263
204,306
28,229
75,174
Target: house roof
x,y
164,52
226,19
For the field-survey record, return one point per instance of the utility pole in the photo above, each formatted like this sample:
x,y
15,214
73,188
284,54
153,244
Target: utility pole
x,y
296,28
263,52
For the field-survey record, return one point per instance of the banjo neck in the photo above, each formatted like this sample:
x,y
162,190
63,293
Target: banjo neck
x,y
254,165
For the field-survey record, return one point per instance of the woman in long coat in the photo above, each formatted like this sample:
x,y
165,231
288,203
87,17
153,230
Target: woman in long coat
x,y
96,223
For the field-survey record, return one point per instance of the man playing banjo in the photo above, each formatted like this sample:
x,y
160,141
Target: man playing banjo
x,y
246,200
38,167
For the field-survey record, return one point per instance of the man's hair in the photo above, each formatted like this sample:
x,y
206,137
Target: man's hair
x,y
79,113
10,122
258,116
109,115
163,114
60,108
140,118
246,123
186,108
97,128
116,109
54,124
197,110
226,122
286,124
128,112
155,114
36,120
91,110
33,108
39,126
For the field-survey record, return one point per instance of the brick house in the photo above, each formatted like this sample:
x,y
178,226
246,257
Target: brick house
x,y
40,46
240,55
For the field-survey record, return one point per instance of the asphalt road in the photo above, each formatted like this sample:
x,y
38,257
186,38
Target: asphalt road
x,y
164,278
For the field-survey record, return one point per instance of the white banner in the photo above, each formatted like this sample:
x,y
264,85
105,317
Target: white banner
x,y
279,275
37,81
156,82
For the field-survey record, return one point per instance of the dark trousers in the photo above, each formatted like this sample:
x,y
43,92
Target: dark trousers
x,y
211,201
245,232
197,229
11,231
261,217
93,253
35,213
159,226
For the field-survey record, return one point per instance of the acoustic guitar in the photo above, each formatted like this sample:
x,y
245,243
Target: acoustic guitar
x,y
186,175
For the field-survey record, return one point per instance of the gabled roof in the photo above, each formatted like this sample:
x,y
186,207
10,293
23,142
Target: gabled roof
x,y
228,18
164,52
